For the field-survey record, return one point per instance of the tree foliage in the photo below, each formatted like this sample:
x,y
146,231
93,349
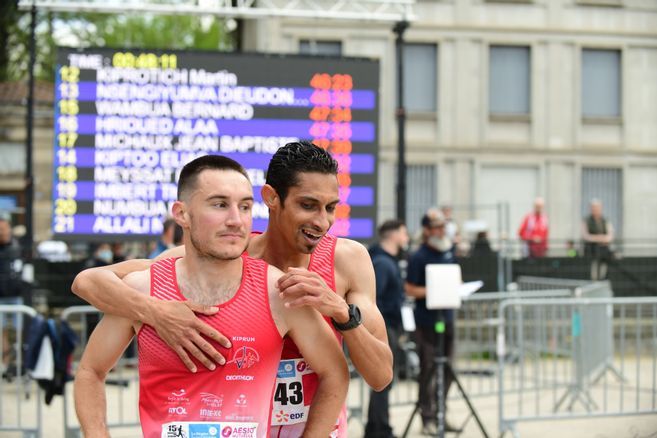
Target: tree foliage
x,y
98,30
15,40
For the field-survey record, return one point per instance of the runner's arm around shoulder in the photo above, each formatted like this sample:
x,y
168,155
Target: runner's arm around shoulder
x,y
367,343
319,347
174,321
102,288
106,344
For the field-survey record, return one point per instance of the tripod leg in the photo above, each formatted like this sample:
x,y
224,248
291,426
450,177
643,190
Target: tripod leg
x,y
448,368
410,420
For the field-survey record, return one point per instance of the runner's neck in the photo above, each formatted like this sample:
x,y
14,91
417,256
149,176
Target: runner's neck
x,y
274,251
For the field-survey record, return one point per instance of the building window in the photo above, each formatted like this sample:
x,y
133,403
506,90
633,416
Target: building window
x,y
418,201
420,77
601,84
510,83
312,47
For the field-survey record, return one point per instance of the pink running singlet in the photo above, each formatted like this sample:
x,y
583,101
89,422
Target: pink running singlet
x,y
296,383
235,399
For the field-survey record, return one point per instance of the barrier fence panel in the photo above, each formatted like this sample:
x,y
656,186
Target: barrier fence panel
x,y
475,345
121,385
20,397
476,341
527,282
612,370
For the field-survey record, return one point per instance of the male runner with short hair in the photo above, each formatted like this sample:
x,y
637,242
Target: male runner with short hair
x,y
333,275
214,208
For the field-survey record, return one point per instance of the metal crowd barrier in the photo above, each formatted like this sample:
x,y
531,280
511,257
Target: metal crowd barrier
x,y
121,385
20,397
475,344
626,345
528,283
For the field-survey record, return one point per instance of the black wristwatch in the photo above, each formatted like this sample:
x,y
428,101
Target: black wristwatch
x,y
355,319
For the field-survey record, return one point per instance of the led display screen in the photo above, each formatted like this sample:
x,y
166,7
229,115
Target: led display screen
x,y
126,121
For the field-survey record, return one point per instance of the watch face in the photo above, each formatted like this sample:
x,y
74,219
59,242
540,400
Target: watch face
x,y
355,319
356,313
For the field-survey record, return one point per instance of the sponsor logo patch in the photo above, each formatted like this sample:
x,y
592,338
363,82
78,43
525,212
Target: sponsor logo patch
x,y
286,369
244,357
204,430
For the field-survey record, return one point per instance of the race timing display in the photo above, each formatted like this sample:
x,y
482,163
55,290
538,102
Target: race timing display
x,y
126,121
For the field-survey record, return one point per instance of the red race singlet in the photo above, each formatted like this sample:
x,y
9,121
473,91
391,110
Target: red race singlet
x,y
296,383
235,399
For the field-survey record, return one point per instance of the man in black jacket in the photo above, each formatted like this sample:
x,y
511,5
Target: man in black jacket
x,y
436,248
393,237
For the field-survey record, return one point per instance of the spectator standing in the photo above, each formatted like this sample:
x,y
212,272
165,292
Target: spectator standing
x,y
436,248
10,283
118,252
597,233
102,256
481,246
451,227
10,264
534,230
393,238
166,239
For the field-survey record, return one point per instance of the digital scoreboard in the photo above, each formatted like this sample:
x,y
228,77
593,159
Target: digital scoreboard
x,y
126,121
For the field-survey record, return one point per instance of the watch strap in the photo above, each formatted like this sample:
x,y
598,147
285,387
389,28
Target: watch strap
x,y
353,322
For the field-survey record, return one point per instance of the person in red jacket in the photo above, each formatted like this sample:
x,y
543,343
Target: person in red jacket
x,y
534,230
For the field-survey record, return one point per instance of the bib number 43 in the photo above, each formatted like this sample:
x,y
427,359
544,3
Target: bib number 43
x,y
289,393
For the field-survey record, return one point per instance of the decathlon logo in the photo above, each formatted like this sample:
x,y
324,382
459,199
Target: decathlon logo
x,y
245,357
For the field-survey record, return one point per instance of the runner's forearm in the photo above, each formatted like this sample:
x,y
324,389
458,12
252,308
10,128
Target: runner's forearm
x,y
371,357
328,401
90,403
104,290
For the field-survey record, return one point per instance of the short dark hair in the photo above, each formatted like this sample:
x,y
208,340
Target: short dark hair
x,y
190,172
388,227
295,158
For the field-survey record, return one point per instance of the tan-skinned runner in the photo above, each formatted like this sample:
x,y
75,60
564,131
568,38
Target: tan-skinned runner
x,y
301,192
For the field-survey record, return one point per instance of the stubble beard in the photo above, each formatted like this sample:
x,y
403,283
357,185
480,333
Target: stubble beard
x,y
210,254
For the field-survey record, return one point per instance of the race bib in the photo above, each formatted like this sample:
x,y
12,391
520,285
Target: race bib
x,y
295,387
201,429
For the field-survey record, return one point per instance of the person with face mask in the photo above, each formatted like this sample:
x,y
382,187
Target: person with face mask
x,y
102,255
436,248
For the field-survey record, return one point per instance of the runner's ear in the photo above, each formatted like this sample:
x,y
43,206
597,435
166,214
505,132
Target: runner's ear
x,y
269,195
179,211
